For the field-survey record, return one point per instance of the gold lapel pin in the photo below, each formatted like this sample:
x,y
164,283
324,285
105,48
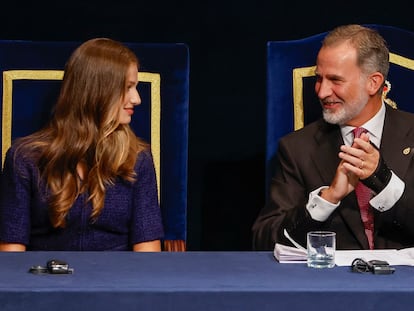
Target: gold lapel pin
x,y
406,150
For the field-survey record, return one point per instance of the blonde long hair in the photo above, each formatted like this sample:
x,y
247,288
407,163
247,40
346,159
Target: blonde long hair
x,y
85,129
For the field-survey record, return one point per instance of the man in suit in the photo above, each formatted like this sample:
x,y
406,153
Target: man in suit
x,y
320,166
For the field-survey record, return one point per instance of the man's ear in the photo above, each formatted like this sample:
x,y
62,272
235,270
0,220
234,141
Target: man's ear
x,y
374,83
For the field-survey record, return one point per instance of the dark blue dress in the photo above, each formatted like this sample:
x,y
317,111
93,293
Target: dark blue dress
x,y
131,212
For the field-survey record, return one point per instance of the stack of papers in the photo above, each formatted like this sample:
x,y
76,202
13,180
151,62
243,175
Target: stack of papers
x,y
288,254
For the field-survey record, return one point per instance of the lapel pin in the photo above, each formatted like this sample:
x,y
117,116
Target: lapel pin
x,y
406,150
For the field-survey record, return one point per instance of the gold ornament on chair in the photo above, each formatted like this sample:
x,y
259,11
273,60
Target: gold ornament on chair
x,y
385,91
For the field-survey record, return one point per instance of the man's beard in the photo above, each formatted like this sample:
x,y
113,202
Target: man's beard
x,y
345,112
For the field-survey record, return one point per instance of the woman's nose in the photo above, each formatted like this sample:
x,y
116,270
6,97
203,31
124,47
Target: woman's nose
x,y
136,99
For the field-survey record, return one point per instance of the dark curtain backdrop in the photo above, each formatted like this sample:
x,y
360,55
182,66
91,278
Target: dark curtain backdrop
x,y
227,41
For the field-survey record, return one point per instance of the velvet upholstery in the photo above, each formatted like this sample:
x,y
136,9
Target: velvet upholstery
x,y
31,76
291,99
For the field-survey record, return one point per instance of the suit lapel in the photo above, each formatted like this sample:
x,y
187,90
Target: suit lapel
x,y
326,159
397,150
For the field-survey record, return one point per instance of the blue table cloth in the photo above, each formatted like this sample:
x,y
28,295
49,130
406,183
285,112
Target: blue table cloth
x,y
195,281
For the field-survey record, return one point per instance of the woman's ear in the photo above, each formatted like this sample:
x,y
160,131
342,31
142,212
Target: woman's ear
x,y
374,83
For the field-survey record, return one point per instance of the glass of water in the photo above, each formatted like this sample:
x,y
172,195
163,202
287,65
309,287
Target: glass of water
x,y
321,247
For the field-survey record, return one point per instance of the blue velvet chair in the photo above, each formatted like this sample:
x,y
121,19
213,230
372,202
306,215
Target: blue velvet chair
x,y
291,99
31,74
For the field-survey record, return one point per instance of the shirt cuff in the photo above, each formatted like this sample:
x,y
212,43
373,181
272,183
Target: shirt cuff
x,y
319,208
387,198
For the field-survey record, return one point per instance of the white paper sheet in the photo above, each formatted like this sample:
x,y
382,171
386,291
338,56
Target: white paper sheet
x,y
392,256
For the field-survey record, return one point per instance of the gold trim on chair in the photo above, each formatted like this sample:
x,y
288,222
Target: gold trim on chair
x,y
153,78
8,77
299,73
402,61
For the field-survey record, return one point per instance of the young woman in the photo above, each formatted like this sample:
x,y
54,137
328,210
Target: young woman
x,y
85,181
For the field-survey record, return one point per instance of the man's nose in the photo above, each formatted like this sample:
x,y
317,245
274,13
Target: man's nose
x,y
323,89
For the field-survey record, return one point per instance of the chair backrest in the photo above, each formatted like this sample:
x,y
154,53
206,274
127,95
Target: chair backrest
x,y
291,99
31,75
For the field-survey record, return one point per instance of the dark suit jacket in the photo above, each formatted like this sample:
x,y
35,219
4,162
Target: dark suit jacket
x,y
307,159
